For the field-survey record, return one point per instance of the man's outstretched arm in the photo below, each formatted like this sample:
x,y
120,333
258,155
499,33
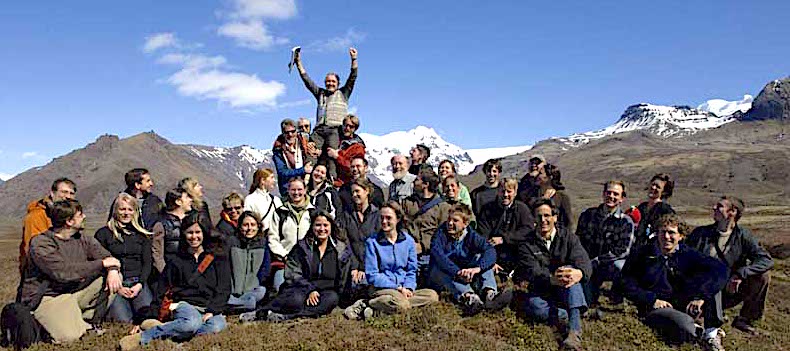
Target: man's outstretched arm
x,y
308,83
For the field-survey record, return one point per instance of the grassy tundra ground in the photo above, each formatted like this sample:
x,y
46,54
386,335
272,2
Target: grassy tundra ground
x,y
441,328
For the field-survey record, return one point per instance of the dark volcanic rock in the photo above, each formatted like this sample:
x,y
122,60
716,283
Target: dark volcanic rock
x,y
773,102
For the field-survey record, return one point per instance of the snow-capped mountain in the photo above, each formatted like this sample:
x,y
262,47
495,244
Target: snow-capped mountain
x,y
664,121
244,160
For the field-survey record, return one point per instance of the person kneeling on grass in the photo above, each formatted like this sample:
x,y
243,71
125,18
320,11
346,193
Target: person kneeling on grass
x,y
192,293
249,263
391,268
317,269
554,263
462,263
674,286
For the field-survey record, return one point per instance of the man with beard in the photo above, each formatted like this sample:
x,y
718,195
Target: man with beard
x,y
403,182
748,262
505,224
139,184
332,106
359,170
351,147
425,211
488,191
36,220
420,154
69,277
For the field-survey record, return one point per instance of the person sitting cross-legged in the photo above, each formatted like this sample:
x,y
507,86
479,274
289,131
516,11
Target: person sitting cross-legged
x,y
553,262
391,267
316,273
673,286
249,262
462,263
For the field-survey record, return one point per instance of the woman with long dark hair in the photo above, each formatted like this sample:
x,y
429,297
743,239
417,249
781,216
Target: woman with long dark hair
x,y
659,191
317,270
129,242
167,230
192,293
249,262
549,186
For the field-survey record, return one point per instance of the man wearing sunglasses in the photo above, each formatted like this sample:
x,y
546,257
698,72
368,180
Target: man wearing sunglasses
x,y
291,154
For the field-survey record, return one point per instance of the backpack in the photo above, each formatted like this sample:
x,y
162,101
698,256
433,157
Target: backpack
x,y
19,328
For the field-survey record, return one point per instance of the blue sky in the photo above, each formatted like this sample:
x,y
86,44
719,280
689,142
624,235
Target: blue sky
x,y
483,74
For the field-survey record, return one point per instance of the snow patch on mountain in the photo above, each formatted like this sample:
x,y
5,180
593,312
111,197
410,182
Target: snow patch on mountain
x,y
720,107
480,156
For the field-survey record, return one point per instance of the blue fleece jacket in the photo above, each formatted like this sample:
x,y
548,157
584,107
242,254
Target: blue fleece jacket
x,y
450,255
388,265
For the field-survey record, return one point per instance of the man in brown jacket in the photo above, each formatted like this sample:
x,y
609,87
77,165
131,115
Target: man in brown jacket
x,y
63,281
425,210
36,220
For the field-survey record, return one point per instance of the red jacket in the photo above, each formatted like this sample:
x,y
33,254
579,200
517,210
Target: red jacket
x,y
349,149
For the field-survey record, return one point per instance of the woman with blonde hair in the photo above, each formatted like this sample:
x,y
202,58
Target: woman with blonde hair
x,y
195,191
260,200
130,243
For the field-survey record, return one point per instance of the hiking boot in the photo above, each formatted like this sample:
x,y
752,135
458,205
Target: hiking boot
x,y
593,314
743,325
150,324
471,304
355,311
715,343
131,342
249,317
573,342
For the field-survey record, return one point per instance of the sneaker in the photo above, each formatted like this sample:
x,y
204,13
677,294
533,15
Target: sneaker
x,y
150,324
276,317
471,304
490,295
573,342
498,301
743,325
715,343
355,311
131,342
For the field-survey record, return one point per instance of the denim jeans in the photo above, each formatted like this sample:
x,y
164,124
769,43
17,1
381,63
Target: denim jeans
x,y
122,309
442,280
187,322
248,300
278,279
541,310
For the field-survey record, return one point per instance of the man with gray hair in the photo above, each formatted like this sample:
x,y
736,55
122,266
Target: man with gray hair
x,y
332,105
403,182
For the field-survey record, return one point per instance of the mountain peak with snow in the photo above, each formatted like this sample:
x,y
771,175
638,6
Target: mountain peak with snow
x,y
721,107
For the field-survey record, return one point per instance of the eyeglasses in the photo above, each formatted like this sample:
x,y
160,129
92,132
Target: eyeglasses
x,y
289,131
235,208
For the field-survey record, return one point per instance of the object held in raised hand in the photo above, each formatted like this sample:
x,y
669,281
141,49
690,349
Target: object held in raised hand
x,y
294,51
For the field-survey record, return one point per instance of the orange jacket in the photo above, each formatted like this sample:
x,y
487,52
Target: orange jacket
x,y
36,222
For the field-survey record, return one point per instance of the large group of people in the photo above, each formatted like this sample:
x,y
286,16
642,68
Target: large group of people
x,y
333,238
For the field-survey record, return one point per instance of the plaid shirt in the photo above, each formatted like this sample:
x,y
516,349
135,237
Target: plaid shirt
x,y
606,236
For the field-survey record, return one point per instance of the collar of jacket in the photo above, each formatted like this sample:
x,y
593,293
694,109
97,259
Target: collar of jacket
x,y
354,139
381,238
617,213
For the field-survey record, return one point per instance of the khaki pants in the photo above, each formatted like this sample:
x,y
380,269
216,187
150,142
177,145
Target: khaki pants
x,y
64,316
392,301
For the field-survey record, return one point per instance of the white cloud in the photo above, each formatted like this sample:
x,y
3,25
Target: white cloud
x,y
159,41
251,34
206,77
245,22
340,43
29,154
295,103
278,9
